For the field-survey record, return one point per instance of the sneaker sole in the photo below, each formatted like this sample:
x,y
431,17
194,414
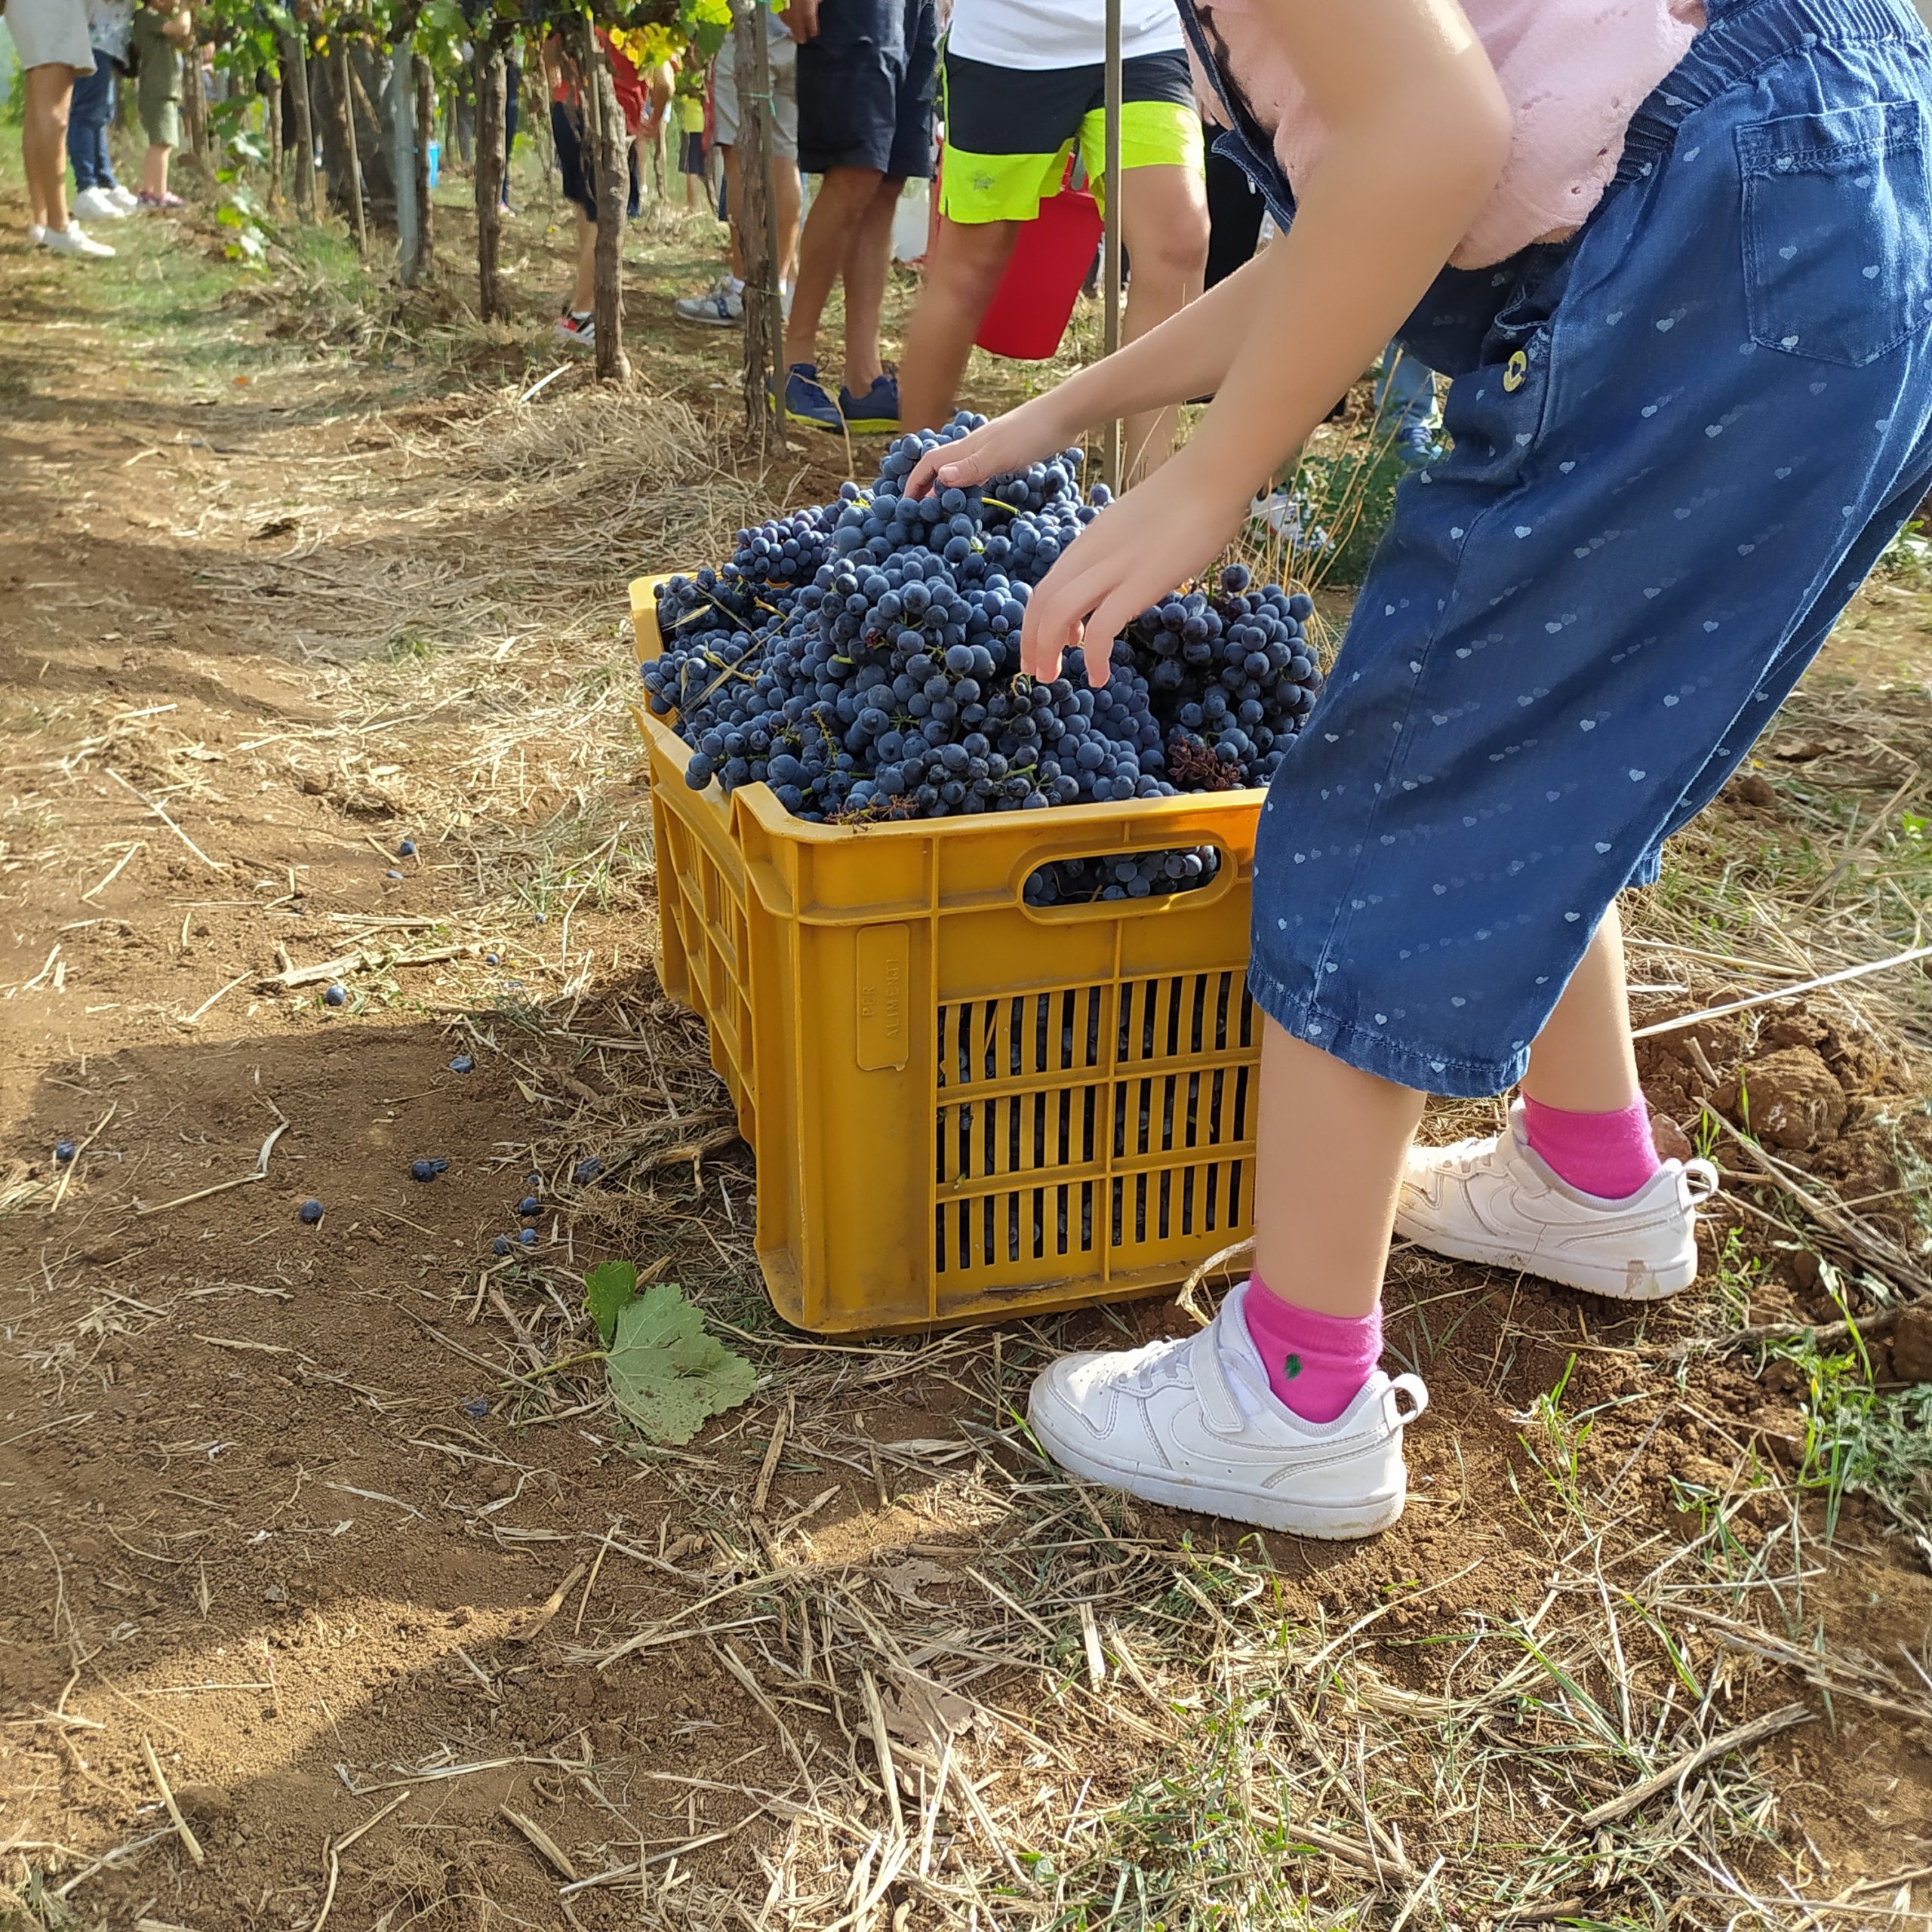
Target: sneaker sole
x,y
815,422
1329,1522
873,426
711,321
1633,1282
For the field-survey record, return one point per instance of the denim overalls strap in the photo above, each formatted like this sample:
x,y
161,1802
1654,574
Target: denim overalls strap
x,y
1244,140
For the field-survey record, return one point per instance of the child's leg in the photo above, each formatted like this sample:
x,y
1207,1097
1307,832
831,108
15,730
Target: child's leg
x,y
1660,489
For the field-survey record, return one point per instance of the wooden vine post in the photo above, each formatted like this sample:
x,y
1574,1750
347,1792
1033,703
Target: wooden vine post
x,y
400,99
425,130
272,89
295,66
487,66
758,236
345,100
606,129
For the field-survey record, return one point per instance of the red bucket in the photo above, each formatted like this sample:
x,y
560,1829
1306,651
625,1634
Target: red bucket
x,y
1034,303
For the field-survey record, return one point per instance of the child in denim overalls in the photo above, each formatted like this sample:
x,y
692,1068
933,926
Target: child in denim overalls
x,y
1686,420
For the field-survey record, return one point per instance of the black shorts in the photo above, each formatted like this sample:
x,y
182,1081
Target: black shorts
x,y
865,84
690,151
1038,110
574,164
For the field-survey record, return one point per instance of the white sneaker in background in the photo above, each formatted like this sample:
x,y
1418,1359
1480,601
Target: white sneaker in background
x,y
97,204
721,306
74,240
1498,1202
1193,1423
125,199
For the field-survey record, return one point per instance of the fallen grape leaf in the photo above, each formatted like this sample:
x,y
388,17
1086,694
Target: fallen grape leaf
x,y
667,1375
608,1290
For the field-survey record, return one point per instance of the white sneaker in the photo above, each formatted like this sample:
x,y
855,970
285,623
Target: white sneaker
x,y
1498,1202
721,306
97,204
1193,1423
125,199
36,233
74,240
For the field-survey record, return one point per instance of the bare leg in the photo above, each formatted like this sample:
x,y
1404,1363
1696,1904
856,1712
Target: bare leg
x,y
1583,1060
789,190
844,196
1322,1226
1331,1143
868,258
153,171
43,142
963,272
734,254
583,289
1163,226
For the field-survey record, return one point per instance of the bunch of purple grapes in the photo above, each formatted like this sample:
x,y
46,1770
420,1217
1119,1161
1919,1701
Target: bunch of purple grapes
x,y
863,659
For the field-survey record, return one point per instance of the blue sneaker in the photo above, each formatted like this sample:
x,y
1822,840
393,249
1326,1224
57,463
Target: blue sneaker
x,y
1416,447
807,402
874,413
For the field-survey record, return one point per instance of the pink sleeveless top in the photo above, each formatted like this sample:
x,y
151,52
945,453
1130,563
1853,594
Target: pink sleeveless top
x,y
1574,70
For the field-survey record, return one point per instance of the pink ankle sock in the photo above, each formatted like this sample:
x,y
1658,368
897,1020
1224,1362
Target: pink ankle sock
x,y
1610,1155
1316,1363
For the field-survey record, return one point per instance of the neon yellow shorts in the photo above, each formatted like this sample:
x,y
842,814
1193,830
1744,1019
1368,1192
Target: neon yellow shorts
x,y
1010,132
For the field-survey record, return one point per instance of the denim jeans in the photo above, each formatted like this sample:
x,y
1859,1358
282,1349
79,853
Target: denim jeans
x,y
1680,441
87,117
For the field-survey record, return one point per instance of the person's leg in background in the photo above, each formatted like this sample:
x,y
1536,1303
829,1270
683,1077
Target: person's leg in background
x,y
157,95
845,198
513,113
868,262
50,89
1234,214
865,95
722,304
575,324
1405,407
100,197
1008,137
963,268
1163,225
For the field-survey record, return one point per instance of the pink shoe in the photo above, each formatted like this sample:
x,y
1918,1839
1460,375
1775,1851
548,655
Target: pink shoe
x,y
164,200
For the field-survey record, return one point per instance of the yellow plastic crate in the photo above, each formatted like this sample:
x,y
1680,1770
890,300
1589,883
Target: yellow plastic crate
x,y
963,1107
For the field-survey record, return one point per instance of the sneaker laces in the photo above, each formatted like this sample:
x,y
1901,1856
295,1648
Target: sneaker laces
x,y
1467,1157
1153,1364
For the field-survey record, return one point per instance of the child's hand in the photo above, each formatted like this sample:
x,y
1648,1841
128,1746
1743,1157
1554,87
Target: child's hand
x,y
1035,430
1162,532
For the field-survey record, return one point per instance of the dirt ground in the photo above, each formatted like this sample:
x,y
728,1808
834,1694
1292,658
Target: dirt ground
x,y
331,1528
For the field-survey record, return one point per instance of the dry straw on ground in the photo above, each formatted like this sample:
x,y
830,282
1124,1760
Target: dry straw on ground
x,y
1009,1700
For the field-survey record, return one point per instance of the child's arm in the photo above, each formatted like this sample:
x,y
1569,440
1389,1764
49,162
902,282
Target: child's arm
x,y
1417,133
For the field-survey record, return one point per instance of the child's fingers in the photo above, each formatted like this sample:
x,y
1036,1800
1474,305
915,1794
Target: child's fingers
x,y
920,483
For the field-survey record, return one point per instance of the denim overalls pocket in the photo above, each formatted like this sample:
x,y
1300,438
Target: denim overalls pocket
x,y
1495,411
1837,256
